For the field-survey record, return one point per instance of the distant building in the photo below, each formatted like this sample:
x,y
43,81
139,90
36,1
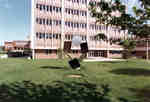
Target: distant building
x,y
8,46
142,49
16,45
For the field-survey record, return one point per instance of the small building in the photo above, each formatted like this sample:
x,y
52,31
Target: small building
x,y
16,45
8,46
142,49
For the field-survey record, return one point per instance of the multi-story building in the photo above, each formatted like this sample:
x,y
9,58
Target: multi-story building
x,y
56,21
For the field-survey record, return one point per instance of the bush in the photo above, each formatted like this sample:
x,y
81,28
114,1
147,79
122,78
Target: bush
x,y
3,52
59,91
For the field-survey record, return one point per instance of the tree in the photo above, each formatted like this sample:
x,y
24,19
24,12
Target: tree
x,y
114,13
129,46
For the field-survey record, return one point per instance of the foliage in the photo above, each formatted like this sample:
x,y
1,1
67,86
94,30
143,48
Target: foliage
x,y
59,91
27,49
145,3
129,46
2,50
100,36
132,74
114,13
107,13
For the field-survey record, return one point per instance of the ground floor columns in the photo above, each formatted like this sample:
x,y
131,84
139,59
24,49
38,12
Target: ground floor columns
x,y
33,54
108,53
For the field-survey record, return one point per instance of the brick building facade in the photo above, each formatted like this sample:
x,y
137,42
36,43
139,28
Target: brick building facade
x,y
16,45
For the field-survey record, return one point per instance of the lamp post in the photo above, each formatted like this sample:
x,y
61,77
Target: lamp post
x,y
147,53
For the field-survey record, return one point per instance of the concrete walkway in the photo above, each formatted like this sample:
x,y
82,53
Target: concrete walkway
x,y
101,59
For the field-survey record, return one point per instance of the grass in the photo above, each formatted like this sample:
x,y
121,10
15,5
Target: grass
x,y
2,54
127,78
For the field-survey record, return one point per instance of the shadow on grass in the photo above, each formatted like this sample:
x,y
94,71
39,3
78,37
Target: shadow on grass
x,y
59,91
142,94
132,71
53,67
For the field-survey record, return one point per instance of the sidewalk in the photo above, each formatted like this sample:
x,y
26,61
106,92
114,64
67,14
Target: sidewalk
x,y
101,59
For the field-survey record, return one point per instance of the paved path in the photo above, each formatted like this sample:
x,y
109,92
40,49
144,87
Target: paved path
x,y
101,59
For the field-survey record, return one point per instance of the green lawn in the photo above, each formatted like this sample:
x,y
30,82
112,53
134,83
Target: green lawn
x,y
1,54
127,79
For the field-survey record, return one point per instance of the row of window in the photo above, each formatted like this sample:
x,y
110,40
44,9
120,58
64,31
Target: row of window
x,y
70,37
70,24
48,21
48,51
96,53
40,35
17,48
91,53
97,27
58,9
75,24
48,8
58,22
78,1
75,12
93,38
101,27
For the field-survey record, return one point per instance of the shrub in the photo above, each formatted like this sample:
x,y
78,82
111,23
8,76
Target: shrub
x,y
59,91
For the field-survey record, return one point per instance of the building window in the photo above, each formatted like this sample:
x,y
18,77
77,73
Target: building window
x,y
43,35
40,22
56,36
40,7
47,36
50,8
37,35
37,6
44,21
57,9
59,36
37,20
40,36
47,8
54,8
50,36
47,22
50,22
44,7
